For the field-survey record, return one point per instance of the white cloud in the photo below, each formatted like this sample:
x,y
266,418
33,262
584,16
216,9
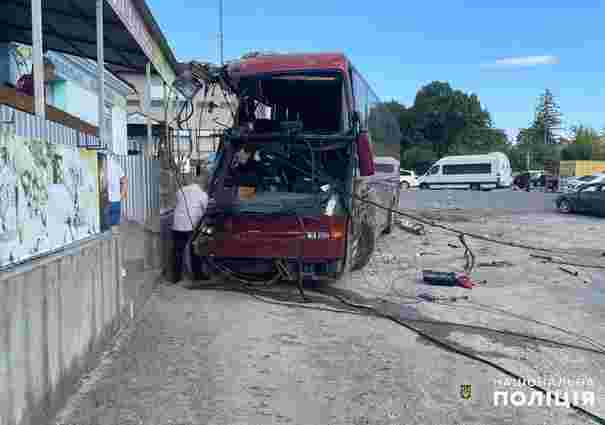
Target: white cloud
x,y
522,62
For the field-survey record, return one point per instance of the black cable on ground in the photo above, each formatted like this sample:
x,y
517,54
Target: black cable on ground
x,y
474,327
490,309
443,344
372,311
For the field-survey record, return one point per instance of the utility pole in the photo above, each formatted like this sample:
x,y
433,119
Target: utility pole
x,y
220,30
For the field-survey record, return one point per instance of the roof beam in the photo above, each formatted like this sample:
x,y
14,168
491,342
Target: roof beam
x,y
77,39
135,68
109,43
83,17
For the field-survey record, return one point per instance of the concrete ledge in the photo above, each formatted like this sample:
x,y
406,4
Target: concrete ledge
x,y
57,312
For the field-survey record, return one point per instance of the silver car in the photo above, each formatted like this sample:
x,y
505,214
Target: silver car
x,y
575,183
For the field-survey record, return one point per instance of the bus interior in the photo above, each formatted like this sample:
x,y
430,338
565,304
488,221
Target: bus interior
x,y
295,127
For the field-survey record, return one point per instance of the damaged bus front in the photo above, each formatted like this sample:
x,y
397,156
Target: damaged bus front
x,y
281,192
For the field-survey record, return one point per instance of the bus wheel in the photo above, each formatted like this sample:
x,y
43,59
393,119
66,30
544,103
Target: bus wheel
x,y
365,248
424,186
475,186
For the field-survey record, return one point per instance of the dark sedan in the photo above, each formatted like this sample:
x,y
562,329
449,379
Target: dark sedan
x,y
589,198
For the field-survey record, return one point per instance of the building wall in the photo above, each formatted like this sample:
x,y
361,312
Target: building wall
x,y
49,193
75,91
136,103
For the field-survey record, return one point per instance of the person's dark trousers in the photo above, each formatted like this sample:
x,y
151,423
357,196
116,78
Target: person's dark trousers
x,y
180,243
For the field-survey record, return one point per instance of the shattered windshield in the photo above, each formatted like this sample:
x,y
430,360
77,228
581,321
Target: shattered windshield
x,y
313,99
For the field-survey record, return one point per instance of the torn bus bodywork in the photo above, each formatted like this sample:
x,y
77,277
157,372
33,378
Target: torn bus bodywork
x,y
307,152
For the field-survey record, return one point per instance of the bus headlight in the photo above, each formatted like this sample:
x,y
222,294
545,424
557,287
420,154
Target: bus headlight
x,y
331,205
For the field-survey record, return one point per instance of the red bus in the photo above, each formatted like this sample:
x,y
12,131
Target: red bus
x,y
306,131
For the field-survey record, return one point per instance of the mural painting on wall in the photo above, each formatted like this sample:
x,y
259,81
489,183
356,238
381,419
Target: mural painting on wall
x,y
48,196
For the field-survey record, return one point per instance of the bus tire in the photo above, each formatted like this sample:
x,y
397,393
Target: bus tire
x,y
424,186
475,186
345,266
367,241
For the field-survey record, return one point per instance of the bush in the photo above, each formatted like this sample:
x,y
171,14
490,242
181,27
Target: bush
x,y
410,158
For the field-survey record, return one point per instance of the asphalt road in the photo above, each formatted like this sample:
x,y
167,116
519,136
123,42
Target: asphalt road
x,y
504,199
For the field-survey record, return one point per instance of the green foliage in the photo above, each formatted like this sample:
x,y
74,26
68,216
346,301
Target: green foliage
x,y
444,121
586,145
577,152
547,118
416,154
585,135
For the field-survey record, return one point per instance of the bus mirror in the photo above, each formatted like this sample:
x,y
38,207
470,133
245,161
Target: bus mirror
x,y
365,155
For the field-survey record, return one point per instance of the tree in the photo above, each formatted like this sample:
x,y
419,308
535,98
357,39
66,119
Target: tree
x,y
547,119
450,120
583,147
410,158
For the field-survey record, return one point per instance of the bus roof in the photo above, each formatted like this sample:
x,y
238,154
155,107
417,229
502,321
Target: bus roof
x,y
271,63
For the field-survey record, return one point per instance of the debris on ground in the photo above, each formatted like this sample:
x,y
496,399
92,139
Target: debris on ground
x,y
433,298
447,279
415,228
422,253
570,270
496,264
547,258
574,272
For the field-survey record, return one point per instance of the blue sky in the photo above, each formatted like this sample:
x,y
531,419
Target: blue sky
x,y
506,54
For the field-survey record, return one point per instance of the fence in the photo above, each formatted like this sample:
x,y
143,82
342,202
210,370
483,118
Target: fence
x,y
33,127
143,174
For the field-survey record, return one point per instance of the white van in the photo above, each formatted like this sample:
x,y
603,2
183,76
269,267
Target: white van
x,y
469,171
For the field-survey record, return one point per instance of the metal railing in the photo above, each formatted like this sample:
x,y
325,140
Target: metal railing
x,y
143,175
33,127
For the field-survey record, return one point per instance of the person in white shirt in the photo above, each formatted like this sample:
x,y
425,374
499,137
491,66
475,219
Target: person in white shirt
x,y
191,204
117,184
117,189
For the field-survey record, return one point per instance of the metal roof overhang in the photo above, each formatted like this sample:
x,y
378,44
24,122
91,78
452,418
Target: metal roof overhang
x,y
69,26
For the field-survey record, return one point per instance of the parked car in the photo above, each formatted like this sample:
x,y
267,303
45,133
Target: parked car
x,y
407,179
589,198
574,184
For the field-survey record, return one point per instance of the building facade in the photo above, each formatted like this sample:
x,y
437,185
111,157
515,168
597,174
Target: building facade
x,y
211,114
